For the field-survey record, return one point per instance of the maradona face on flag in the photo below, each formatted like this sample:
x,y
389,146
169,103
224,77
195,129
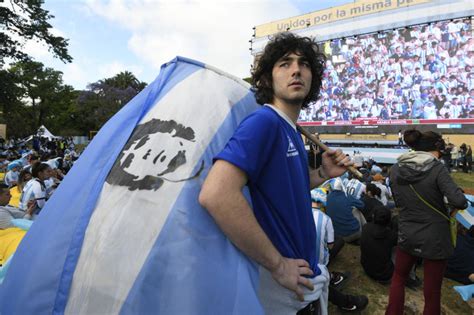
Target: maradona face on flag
x,y
145,163
124,232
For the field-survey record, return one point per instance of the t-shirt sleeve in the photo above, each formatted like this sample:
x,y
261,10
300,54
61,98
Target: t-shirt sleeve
x,y
250,146
5,219
330,231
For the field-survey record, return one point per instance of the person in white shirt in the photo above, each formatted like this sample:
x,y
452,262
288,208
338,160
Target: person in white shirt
x,y
35,189
378,180
11,178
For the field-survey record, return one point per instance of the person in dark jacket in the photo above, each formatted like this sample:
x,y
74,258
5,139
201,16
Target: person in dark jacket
x,y
419,182
376,245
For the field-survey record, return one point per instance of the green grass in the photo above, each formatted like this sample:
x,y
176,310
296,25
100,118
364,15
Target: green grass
x,y
360,284
464,180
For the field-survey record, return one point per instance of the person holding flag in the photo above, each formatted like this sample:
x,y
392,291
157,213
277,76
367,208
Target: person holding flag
x,y
266,154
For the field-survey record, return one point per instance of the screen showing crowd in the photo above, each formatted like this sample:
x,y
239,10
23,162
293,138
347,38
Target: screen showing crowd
x,y
418,72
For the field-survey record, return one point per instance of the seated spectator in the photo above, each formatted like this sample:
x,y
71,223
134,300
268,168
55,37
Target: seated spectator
x,y
345,214
16,191
376,246
461,264
32,160
8,213
326,241
35,189
354,187
385,195
11,178
371,201
323,222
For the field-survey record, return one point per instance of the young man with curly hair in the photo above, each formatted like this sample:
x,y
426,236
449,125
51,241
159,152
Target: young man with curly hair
x,y
266,153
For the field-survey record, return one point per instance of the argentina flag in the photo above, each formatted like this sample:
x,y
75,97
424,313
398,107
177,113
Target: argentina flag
x,y
124,232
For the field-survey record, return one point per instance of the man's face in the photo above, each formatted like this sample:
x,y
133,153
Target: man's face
x,y
291,79
5,197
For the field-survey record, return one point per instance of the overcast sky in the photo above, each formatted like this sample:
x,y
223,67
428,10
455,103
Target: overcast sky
x,y
106,37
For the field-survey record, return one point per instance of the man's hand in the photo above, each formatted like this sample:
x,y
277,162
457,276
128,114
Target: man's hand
x,y
31,206
290,273
335,163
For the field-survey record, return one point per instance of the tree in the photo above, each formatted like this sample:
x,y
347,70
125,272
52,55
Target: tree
x,y
44,98
26,20
104,98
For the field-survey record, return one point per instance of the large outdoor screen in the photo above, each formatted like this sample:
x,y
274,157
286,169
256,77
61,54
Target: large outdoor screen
x,y
415,75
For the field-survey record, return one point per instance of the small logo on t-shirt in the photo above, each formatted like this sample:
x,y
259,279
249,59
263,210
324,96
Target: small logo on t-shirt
x,y
291,149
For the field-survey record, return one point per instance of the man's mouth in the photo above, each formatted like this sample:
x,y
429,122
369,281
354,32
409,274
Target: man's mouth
x,y
296,83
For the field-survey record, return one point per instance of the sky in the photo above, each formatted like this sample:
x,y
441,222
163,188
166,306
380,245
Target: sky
x,y
107,37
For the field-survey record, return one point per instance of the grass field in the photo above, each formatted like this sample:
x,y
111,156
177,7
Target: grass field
x,y
360,284
464,180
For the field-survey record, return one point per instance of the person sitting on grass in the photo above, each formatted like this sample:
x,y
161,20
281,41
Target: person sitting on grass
x,y
8,213
345,213
327,248
11,177
377,248
376,245
371,201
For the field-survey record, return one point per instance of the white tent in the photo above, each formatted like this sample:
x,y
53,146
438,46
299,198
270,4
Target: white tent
x,y
42,132
45,133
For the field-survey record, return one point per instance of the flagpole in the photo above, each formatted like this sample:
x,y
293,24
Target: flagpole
x,y
318,142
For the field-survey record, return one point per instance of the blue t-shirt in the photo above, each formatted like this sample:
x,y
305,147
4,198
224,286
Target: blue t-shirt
x,y
272,154
339,209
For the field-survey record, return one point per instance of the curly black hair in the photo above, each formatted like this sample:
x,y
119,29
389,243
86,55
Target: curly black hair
x,y
278,47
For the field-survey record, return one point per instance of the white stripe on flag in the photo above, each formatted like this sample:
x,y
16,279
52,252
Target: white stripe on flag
x,y
126,224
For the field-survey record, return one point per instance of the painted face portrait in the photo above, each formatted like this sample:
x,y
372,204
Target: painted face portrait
x,y
154,154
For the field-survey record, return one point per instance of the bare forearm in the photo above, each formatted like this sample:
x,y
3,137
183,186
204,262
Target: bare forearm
x,y
237,220
222,196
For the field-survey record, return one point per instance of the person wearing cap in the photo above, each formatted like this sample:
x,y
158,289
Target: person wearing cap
x,y
11,178
419,183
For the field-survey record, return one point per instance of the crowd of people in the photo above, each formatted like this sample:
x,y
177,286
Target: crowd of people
x,y
32,172
420,72
398,226
396,215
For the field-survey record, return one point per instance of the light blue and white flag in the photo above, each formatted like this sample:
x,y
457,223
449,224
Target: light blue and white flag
x,y
466,216
124,232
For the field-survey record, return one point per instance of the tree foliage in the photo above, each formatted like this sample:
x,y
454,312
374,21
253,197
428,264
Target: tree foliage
x,y
26,20
38,96
104,98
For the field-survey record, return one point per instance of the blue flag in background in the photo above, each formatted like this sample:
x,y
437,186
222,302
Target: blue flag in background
x,y
124,232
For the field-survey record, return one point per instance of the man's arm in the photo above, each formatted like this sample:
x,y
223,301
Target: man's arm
x,y
222,196
334,164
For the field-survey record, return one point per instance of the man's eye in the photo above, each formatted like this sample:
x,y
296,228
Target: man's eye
x,y
284,64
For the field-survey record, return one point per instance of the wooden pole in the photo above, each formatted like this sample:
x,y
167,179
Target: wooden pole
x,y
318,142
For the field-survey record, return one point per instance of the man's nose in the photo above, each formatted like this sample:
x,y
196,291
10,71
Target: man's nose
x,y
295,69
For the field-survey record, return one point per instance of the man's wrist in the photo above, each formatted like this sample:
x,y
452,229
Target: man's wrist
x,y
322,174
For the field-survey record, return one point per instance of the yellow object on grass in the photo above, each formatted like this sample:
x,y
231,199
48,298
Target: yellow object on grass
x,y
9,240
15,200
2,176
